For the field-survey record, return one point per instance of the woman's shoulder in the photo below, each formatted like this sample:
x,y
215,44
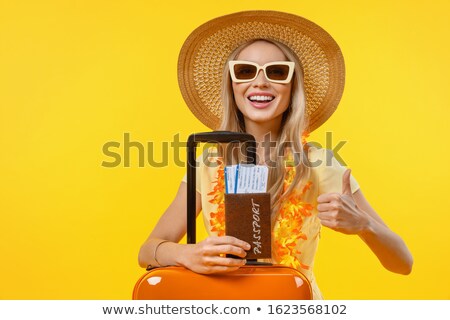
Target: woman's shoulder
x,y
329,169
317,155
322,159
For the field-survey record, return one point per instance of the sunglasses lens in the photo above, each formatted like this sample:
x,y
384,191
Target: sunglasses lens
x,y
244,71
277,72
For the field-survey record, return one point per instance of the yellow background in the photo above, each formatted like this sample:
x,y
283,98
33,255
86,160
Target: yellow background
x,y
77,74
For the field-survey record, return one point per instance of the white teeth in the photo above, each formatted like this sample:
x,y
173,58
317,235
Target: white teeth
x,y
261,98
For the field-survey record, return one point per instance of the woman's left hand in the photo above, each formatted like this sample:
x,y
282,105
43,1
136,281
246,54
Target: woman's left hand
x,y
340,212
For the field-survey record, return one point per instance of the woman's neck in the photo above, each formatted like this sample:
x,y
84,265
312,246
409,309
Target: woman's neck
x,y
261,130
266,136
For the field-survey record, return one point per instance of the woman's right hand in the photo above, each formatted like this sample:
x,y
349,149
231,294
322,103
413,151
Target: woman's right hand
x,y
208,256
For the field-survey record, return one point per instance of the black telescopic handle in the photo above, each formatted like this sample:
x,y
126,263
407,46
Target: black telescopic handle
x,y
211,137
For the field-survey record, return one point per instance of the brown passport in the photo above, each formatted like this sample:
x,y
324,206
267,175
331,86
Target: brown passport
x,y
247,217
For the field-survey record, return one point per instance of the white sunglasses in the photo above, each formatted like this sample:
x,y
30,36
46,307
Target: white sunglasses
x,y
246,71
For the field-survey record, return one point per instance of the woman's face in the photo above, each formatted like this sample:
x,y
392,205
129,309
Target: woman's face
x,y
267,111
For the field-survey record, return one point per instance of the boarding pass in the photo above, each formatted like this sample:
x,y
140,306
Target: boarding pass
x,y
246,178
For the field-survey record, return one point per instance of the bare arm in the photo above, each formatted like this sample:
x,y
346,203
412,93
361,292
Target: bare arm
x,y
389,247
204,257
352,214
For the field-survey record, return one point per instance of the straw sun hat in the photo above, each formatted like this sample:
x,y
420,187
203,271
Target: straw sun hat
x,y
204,53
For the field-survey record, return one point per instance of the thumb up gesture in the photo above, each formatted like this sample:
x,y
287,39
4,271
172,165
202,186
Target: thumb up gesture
x,y
339,211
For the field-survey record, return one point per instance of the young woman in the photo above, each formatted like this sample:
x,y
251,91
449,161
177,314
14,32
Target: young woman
x,y
272,90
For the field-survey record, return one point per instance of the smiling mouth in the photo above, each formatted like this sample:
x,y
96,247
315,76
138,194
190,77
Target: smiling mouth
x,y
261,98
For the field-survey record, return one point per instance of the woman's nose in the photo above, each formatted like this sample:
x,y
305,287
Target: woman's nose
x,y
260,80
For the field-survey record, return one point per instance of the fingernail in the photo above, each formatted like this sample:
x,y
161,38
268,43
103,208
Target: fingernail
x,y
248,246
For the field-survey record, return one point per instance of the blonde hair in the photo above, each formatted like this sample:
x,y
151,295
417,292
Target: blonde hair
x,y
293,124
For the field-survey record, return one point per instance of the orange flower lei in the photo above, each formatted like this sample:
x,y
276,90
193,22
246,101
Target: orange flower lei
x,y
305,135
287,231
217,220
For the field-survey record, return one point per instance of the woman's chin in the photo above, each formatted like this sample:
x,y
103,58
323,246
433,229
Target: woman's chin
x,y
263,119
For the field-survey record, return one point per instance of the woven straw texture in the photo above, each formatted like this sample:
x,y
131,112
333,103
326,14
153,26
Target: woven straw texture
x,y
203,56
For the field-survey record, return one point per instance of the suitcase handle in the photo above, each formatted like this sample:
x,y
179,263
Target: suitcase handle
x,y
211,137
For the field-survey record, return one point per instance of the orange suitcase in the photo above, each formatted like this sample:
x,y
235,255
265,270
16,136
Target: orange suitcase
x,y
254,281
